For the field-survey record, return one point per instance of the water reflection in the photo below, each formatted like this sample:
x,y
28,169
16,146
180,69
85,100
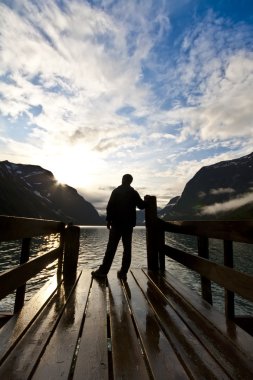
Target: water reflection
x,y
10,256
93,241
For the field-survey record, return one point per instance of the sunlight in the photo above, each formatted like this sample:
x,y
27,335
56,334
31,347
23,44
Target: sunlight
x,y
80,167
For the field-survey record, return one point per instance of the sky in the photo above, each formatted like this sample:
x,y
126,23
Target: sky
x,y
91,90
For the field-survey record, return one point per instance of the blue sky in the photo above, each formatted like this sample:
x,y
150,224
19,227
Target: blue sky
x,y
94,89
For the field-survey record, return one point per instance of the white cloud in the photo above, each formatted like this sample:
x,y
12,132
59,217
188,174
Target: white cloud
x,y
230,205
82,65
222,190
225,109
75,63
215,77
159,136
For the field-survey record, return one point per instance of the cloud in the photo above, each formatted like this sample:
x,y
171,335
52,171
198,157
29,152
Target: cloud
x,y
230,205
110,81
222,190
80,64
215,81
159,136
96,67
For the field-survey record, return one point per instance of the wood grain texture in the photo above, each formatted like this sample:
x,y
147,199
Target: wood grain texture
x,y
15,328
128,361
160,354
220,338
229,278
58,356
92,360
197,360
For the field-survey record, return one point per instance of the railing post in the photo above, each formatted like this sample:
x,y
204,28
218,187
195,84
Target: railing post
x,y
71,252
20,292
161,242
151,232
229,296
203,251
60,259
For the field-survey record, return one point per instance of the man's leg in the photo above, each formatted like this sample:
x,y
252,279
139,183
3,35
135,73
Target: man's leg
x,y
127,252
114,238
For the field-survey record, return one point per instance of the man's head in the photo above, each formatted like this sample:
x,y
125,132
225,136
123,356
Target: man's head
x,y
127,179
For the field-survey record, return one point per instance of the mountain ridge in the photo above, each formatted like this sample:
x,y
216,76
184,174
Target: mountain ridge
x,y
32,191
223,190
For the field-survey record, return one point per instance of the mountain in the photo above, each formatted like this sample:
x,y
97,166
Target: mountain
x,y
31,191
221,191
140,217
168,208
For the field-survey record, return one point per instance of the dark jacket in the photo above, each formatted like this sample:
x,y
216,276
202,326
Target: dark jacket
x,y
121,208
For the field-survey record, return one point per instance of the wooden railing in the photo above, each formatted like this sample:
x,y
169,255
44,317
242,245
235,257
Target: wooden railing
x,y
24,229
225,275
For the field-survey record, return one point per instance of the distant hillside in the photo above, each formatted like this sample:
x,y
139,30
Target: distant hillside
x,y
162,213
220,191
31,191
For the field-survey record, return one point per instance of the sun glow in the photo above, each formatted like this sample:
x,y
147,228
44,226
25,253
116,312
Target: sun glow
x,y
79,167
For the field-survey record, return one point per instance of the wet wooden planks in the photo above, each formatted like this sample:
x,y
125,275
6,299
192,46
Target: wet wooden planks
x,y
149,327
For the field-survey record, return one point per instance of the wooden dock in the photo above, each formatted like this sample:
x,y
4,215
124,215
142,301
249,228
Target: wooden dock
x,y
148,327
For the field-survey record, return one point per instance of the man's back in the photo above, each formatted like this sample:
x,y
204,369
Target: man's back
x,y
121,208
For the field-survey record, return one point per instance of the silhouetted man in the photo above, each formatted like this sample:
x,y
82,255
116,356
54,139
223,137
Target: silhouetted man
x,y
121,218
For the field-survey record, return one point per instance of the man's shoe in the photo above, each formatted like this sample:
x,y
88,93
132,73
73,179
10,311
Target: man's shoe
x,y
98,274
122,275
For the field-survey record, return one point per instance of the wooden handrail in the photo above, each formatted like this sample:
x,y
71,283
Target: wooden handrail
x,y
24,229
15,228
13,278
229,231
228,278
238,231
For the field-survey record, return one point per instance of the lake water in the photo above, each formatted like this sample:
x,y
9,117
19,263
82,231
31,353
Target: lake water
x,y
93,241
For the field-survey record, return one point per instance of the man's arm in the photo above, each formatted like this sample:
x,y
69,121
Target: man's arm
x,y
140,203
